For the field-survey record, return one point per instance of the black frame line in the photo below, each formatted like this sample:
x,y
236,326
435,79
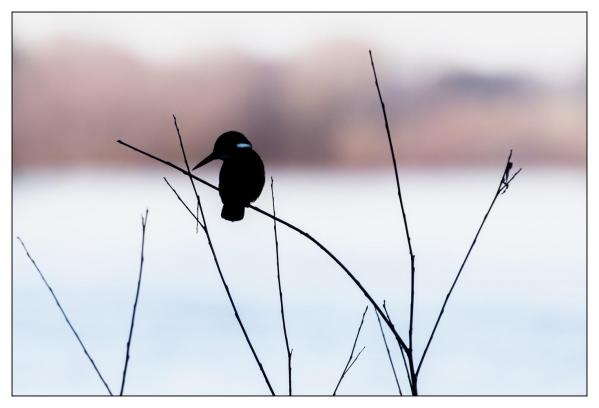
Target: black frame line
x,y
586,12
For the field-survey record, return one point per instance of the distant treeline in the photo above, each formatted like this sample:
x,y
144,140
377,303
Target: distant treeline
x,y
72,100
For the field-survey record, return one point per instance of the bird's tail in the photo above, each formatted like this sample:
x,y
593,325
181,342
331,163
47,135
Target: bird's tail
x,y
233,212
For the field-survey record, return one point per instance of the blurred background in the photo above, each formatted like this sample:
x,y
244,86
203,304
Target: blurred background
x,y
461,90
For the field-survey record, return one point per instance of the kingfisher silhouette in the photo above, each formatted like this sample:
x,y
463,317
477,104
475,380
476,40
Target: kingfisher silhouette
x,y
241,176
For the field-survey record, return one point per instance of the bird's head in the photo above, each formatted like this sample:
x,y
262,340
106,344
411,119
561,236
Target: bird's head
x,y
226,146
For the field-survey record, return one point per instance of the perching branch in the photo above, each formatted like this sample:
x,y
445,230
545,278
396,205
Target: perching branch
x,y
405,223
388,322
204,226
144,220
388,354
91,360
351,360
289,351
501,188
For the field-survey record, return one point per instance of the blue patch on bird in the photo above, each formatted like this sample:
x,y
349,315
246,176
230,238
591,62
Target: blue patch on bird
x,y
243,145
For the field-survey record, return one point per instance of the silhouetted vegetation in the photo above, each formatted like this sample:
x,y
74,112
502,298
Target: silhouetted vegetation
x,y
411,363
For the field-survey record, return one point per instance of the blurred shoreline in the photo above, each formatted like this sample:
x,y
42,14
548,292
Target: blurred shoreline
x,y
382,169
73,99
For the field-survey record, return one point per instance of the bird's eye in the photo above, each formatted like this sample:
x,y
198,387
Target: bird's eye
x,y
243,145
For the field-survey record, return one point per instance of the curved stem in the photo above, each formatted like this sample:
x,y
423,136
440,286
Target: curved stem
x,y
387,321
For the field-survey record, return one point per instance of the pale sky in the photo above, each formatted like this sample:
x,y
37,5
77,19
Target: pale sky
x,y
549,45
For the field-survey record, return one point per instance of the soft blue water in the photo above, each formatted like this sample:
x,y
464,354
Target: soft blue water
x,y
515,324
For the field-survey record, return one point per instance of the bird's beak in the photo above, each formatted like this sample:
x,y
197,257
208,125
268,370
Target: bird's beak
x,y
208,159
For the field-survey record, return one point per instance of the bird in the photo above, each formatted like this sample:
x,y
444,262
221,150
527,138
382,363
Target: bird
x,y
241,177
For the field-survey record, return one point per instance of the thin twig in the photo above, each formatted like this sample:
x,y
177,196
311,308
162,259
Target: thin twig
x,y
405,223
91,360
355,359
501,188
204,226
388,322
144,220
197,215
351,354
401,351
199,202
389,354
272,192
180,199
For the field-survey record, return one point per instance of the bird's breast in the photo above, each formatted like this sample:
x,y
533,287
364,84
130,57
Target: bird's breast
x,y
241,178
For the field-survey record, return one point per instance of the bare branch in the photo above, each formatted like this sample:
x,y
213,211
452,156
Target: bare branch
x,y
502,188
144,220
405,223
279,281
91,360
